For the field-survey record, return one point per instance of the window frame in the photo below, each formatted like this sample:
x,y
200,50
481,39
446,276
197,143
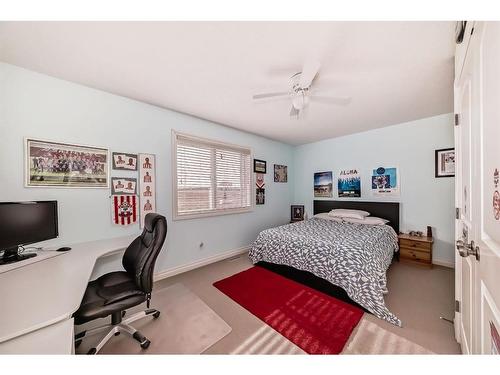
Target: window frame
x,y
215,212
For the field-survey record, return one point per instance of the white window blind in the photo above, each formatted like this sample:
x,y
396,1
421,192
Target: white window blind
x,y
210,177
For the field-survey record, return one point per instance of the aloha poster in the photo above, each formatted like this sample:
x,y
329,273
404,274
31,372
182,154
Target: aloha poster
x,y
349,183
385,181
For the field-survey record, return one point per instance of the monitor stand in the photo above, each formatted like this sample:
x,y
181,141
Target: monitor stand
x,y
12,256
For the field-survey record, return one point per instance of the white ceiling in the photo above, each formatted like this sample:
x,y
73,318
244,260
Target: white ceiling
x,y
394,71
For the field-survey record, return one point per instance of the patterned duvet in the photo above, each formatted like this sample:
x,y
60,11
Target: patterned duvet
x,y
352,256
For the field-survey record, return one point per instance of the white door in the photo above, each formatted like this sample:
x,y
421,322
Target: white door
x,y
477,137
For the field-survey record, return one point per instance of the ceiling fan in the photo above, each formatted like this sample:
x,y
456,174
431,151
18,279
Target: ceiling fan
x,y
301,91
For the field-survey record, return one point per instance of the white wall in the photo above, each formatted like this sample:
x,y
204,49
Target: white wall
x,y
40,106
425,200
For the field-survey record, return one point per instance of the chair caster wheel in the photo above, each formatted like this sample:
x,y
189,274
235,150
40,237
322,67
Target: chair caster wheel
x,y
92,351
156,314
78,343
145,344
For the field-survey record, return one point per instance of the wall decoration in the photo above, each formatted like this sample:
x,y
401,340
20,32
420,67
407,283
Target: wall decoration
x,y
496,195
123,185
259,180
147,182
280,173
349,184
124,209
123,161
323,184
54,164
259,166
495,339
385,181
297,213
260,196
445,162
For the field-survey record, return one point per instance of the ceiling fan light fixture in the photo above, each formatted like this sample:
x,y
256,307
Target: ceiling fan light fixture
x,y
300,100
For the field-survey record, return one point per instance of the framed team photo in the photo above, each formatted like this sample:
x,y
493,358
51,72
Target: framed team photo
x,y
123,161
56,164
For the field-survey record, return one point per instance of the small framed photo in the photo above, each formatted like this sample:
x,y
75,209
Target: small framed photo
x,y
445,162
297,213
280,173
123,185
260,196
259,166
124,161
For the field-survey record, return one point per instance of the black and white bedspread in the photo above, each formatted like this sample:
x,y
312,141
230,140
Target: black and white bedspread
x,y
352,256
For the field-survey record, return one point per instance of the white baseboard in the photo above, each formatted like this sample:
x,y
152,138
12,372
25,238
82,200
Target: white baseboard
x,y
443,263
199,263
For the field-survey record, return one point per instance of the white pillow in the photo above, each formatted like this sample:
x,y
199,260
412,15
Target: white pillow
x,y
369,220
355,214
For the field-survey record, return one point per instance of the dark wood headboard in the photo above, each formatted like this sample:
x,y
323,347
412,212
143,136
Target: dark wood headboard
x,y
384,210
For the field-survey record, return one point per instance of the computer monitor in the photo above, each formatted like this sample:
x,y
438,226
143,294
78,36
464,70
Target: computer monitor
x,y
23,223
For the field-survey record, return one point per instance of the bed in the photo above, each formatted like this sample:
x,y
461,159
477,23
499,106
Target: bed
x,y
354,257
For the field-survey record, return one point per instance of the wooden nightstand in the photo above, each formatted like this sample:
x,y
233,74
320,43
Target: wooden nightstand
x,y
416,250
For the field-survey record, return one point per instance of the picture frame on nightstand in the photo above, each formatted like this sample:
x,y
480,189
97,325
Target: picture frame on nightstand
x,y
296,213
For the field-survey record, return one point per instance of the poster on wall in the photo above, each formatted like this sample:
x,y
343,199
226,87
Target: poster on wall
x,y
349,183
123,185
280,173
55,164
323,185
260,192
124,209
147,181
260,196
385,182
124,161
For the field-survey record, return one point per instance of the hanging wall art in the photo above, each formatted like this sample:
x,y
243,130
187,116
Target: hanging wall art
x,y
147,182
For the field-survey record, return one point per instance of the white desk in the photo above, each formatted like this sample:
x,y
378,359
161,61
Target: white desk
x,y
44,295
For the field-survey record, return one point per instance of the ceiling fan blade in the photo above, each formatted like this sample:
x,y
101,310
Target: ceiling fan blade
x,y
309,72
294,112
339,100
270,95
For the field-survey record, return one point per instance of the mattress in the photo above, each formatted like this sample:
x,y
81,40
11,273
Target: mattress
x,y
353,256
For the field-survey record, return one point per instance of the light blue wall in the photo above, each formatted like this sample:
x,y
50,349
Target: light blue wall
x,y
425,200
37,105
40,106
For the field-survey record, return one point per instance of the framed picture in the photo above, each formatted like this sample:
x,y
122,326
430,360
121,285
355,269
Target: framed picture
x,y
56,164
147,179
259,166
280,173
260,196
349,183
297,213
385,181
123,161
445,162
123,185
323,184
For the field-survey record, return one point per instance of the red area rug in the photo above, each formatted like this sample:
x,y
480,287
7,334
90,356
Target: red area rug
x,y
314,321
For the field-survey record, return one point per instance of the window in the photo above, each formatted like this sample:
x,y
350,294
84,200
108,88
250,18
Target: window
x,y
210,178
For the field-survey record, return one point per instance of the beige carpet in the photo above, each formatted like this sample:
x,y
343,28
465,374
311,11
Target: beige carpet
x,y
186,326
369,338
417,295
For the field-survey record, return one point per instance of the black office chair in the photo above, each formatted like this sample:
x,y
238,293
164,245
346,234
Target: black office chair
x,y
113,293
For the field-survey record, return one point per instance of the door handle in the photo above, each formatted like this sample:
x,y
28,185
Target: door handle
x,y
466,249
